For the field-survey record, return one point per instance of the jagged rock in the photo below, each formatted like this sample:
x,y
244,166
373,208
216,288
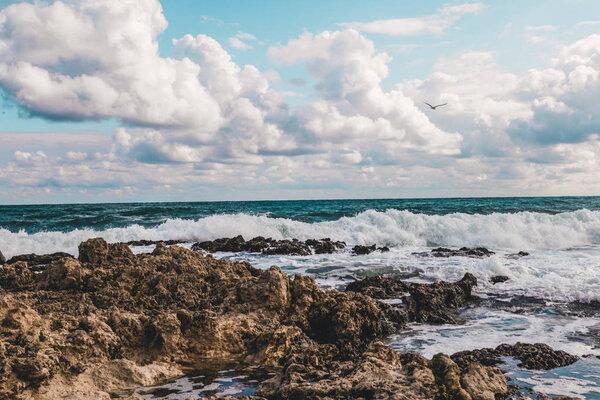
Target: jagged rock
x,y
379,287
499,279
484,383
2,259
15,276
92,327
66,273
360,250
476,252
532,356
35,260
270,246
433,303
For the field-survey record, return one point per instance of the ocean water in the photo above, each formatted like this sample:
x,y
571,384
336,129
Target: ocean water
x,y
561,234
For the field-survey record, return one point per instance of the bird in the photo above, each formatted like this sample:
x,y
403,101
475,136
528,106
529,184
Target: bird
x,y
434,107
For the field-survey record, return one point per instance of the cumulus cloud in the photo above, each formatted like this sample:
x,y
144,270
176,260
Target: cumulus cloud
x,y
354,107
429,24
237,43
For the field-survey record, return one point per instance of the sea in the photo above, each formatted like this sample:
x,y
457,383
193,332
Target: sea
x,y
551,295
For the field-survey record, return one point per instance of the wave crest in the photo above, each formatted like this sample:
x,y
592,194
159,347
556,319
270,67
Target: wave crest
x,y
523,230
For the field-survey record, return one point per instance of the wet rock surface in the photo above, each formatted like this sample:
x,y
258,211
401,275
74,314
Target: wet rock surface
x,y
499,279
110,321
153,242
475,252
532,356
360,250
270,246
379,287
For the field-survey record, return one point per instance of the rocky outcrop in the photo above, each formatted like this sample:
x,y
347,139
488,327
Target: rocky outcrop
x,y
360,250
475,252
270,246
532,356
2,259
499,279
37,260
99,325
379,287
434,303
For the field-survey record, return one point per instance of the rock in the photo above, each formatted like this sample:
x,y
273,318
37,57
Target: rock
x,y
98,251
499,279
476,252
514,256
434,303
93,327
362,250
270,246
93,251
33,260
153,242
532,356
15,276
448,377
379,287
484,383
64,274
2,259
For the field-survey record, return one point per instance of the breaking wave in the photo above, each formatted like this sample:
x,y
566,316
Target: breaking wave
x,y
522,230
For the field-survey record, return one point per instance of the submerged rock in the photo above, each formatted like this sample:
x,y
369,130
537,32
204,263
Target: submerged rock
x,y
499,279
514,256
476,252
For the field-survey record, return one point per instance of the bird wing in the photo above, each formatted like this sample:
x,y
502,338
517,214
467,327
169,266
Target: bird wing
x,y
428,104
439,105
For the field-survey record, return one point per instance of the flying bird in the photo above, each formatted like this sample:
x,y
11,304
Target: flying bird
x,y
434,107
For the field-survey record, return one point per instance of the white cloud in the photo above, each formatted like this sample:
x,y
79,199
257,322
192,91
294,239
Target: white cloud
x,y
239,44
587,23
76,155
349,71
26,158
429,24
245,36
541,28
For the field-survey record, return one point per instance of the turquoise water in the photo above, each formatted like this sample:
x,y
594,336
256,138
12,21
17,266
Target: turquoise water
x,y
67,217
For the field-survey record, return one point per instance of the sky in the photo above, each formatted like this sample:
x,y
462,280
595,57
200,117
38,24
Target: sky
x,y
194,100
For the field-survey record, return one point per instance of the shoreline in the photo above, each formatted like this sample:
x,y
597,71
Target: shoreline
x,y
139,319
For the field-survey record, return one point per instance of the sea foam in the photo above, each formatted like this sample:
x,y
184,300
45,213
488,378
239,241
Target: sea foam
x,y
522,230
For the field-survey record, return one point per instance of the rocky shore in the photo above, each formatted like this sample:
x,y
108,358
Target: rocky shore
x,y
99,326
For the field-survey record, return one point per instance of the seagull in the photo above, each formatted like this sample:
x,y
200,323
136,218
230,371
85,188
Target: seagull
x,y
434,107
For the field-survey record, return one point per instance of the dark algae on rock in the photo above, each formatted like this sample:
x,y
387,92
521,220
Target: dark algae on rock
x,y
110,321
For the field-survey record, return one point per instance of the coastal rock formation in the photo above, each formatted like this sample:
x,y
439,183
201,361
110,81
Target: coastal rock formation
x,y
499,279
102,324
270,246
475,252
360,250
33,260
434,303
2,259
379,287
532,356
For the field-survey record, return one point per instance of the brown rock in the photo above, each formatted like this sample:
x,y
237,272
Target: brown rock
x,y
484,383
93,251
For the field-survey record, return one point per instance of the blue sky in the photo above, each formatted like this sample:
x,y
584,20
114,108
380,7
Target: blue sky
x,y
183,100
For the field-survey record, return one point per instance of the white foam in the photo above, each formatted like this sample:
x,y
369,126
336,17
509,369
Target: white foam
x,y
523,230
489,328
